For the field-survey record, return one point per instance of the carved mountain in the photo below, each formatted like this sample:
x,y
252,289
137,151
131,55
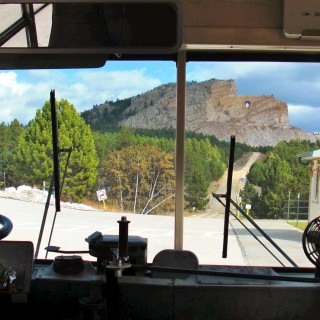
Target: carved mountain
x,y
213,107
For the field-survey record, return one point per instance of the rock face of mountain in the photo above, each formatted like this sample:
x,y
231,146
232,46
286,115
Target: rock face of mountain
x,y
213,107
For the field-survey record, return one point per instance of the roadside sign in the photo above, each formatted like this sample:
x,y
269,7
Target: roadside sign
x,y
101,194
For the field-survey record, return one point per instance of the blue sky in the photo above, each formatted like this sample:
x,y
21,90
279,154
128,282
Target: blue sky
x,y
23,92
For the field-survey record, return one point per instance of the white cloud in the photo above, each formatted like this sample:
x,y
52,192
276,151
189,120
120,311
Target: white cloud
x,y
9,84
119,80
22,93
12,96
227,70
304,117
96,87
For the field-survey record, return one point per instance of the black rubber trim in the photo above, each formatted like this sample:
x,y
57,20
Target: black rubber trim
x,y
6,226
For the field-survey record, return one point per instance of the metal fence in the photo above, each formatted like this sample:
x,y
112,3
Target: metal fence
x,y
296,209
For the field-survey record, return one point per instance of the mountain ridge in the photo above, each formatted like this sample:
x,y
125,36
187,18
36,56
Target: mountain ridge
x,y
213,107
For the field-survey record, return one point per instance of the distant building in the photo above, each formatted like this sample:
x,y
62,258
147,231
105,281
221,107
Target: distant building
x,y
313,157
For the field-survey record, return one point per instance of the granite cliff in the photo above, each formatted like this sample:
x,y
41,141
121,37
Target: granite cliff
x,y
213,107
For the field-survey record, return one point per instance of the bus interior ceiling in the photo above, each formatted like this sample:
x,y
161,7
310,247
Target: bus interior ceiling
x,y
176,286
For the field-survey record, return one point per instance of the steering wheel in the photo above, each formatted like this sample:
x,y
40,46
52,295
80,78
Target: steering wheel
x,y
5,226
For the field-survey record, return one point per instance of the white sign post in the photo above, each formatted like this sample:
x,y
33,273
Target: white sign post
x,y
101,195
248,208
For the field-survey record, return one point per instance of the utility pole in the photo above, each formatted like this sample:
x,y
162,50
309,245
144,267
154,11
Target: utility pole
x,y
298,202
288,207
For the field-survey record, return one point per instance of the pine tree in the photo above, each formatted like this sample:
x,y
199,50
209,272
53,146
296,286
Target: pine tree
x,y
8,145
34,155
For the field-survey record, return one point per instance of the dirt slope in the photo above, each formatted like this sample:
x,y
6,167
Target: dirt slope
x,y
240,170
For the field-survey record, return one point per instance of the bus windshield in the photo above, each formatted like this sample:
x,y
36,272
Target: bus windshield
x,y
117,129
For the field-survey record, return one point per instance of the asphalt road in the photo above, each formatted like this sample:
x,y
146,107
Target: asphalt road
x,y
203,236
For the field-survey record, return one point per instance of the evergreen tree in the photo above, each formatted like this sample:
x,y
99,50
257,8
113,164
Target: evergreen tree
x,y
126,137
34,155
250,196
279,180
8,146
256,173
4,152
279,173
203,165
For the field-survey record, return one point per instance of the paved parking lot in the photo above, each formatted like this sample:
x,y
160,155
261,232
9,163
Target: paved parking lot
x,y
202,236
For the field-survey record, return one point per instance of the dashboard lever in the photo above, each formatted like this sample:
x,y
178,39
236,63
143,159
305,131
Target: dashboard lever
x,y
57,249
97,235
